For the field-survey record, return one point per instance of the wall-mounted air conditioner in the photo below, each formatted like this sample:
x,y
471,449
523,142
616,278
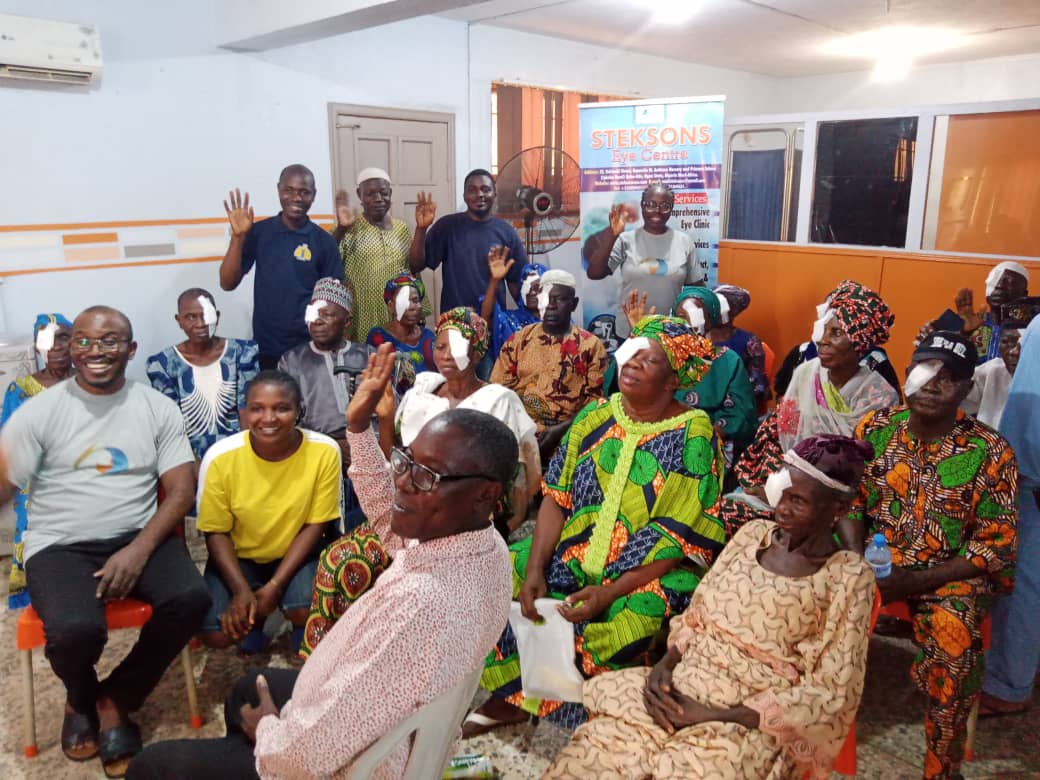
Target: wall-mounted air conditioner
x,y
43,50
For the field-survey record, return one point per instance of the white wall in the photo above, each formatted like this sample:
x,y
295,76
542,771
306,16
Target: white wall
x,y
1003,78
174,124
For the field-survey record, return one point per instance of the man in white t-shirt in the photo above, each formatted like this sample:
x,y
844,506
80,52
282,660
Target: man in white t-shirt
x,y
93,451
653,259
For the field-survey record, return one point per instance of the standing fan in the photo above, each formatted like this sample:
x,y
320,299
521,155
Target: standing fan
x,y
539,190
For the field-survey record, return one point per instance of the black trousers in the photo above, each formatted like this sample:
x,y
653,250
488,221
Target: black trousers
x,y
62,586
228,758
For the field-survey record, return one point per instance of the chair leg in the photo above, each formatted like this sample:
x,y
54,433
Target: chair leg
x,y
189,684
969,737
29,712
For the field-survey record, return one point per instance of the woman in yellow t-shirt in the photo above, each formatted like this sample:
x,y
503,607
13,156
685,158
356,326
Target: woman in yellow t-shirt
x,y
267,496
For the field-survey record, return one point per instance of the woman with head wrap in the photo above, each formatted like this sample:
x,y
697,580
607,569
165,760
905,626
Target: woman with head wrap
x,y
733,301
724,392
406,330
52,334
630,494
831,392
460,343
876,359
734,696
505,322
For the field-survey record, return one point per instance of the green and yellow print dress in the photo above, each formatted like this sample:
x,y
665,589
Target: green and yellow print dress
x,y
631,493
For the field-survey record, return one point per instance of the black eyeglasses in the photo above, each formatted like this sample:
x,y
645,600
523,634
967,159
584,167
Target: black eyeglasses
x,y
650,205
107,344
425,479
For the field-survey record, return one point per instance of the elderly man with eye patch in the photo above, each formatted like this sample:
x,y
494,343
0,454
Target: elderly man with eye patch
x,y
942,490
428,621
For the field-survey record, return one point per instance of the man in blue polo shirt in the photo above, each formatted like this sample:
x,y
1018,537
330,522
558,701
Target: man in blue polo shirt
x,y
290,252
462,241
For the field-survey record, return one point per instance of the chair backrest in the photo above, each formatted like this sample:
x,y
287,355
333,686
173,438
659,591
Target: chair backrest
x,y
435,727
770,361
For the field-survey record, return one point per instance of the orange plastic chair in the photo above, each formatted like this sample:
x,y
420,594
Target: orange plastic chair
x,y
901,611
845,763
770,361
123,613
770,365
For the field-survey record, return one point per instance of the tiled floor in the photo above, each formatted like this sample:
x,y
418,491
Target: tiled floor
x,y
891,734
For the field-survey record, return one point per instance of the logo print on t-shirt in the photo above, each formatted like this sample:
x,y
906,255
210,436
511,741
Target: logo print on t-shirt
x,y
302,252
107,460
654,266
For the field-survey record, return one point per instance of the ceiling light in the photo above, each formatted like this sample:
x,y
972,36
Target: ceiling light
x,y
891,68
894,49
672,12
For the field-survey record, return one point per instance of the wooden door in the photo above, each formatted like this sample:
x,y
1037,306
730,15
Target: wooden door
x,y
415,147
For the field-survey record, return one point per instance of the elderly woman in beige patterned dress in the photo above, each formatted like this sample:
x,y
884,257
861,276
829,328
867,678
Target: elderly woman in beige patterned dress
x,y
764,671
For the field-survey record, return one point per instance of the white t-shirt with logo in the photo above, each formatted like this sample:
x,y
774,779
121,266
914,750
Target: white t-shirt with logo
x,y
92,462
658,265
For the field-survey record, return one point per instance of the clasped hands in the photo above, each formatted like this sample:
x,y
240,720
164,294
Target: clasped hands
x,y
668,708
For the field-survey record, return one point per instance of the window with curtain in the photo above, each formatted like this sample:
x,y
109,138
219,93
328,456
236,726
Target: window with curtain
x,y
764,165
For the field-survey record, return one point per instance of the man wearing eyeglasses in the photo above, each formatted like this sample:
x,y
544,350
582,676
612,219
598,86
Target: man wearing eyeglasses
x,y
428,621
93,450
654,259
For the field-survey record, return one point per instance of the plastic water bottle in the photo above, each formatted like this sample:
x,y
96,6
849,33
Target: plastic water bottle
x,y
879,557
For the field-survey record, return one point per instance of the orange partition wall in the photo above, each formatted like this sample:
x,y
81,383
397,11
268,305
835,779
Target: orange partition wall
x,y
787,281
990,198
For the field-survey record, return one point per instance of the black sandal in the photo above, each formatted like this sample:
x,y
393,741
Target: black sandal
x,y
78,731
117,746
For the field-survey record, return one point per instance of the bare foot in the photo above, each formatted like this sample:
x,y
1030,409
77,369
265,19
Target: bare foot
x,y
491,714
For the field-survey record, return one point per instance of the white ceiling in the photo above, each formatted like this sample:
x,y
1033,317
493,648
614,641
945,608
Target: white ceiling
x,y
780,38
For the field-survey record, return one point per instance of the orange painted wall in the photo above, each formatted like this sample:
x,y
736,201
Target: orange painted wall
x,y
787,281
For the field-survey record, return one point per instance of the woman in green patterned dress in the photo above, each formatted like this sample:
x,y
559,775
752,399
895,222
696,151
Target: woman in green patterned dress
x,y
628,525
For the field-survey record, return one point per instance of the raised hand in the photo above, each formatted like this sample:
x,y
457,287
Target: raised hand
x,y
345,216
499,262
240,213
635,308
425,210
369,391
618,218
965,305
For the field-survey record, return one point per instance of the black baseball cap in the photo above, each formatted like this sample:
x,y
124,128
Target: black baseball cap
x,y
953,349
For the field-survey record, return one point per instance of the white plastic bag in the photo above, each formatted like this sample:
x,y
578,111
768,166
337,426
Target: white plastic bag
x,y
547,669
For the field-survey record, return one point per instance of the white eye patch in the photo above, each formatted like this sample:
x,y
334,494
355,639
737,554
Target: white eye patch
x,y
313,309
920,375
45,338
776,484
209,314
821,325
543,299
403,300
528,283
694,315
723,308
458,345
628,350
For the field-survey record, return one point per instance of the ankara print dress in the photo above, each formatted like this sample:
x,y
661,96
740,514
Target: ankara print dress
x,y
631,493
